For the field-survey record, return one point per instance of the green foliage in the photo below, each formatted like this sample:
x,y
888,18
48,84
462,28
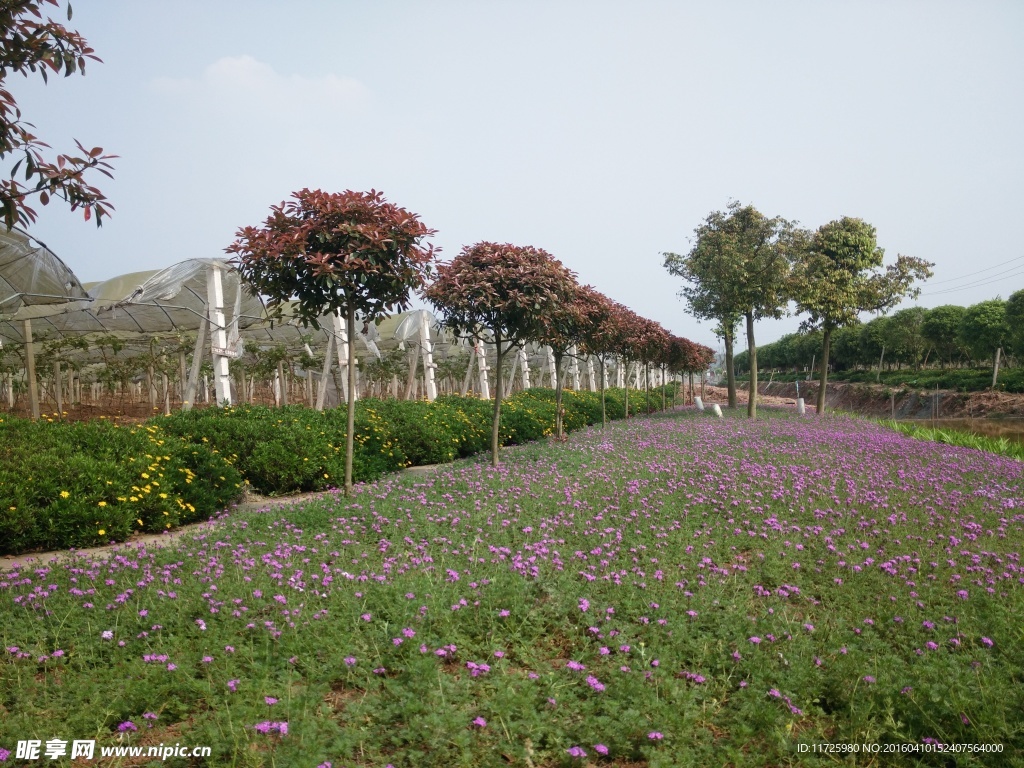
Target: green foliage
x,y
115,481
961,379
1015,321
984,328
81,484
292,449
941,329
998,445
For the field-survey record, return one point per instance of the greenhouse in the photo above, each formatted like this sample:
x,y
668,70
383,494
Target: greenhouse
x,y
194,333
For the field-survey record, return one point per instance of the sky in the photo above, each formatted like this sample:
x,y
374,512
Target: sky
x,y
603,132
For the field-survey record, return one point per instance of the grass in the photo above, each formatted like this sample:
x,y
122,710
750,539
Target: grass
x,y
677,590
997,445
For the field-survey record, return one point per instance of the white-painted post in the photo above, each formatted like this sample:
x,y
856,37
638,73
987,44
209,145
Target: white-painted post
x,y
549,364
30,370
620,373
574,367
427,350
341,331
218,336
591,379
524,366
481,359
699,403
321,394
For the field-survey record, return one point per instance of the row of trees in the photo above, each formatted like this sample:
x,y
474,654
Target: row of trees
x,y
948,335
745,266
354,252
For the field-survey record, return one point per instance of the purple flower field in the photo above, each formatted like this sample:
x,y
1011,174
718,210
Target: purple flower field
x,y
676,590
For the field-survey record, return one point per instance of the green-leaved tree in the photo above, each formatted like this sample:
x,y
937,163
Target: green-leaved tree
x,y
739,267
840,275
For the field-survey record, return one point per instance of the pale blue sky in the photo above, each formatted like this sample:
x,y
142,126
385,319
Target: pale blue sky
x,y
602,132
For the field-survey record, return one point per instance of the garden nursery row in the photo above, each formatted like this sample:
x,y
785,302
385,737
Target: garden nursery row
x,y
87,483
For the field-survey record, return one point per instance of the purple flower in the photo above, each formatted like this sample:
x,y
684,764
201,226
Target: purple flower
x,y
755,640
271,701
366,617
575,666
985,641
232,685
126,726
207,659
576,752
479,722
601,749
350,661
655,735
584,604
869,679
107,634
594,683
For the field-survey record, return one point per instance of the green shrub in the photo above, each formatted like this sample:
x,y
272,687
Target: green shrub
x,y
80,484
284,450
74,485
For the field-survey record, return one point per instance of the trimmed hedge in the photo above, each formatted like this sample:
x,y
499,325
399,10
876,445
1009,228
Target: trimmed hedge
x,y
81,484
72,485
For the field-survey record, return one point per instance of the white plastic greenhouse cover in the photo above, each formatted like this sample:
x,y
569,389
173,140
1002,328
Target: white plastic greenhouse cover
x,y
31,274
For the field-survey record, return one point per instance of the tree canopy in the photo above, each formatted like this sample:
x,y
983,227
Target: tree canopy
x,y
502,290
344,253
838,277
31,44
739,267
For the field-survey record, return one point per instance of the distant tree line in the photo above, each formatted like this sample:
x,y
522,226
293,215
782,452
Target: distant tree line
x,y
948,336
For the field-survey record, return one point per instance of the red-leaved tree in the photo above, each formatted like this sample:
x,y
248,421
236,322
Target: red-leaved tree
x,y
30,43
346,252
503,290
600,313
568,326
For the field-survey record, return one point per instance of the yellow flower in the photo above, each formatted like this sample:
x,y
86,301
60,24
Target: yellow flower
x,y
64,494
101,504
139,522
101,532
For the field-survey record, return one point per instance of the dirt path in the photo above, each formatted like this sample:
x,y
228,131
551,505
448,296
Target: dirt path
x,y
251,502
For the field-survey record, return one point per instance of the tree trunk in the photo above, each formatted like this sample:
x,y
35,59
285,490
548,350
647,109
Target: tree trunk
x,y
350,425
826,347
558,394
752,352
730,373
995,369
604,417
496,422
